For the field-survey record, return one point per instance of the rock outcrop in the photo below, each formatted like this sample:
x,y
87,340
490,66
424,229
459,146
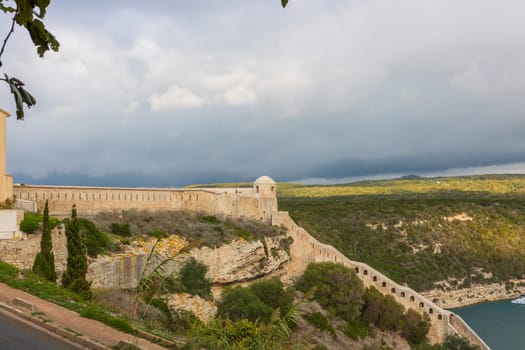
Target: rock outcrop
x,y
205,310
479,293
235,262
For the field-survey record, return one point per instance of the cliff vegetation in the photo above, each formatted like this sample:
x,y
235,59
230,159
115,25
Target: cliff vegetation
x,y
445,233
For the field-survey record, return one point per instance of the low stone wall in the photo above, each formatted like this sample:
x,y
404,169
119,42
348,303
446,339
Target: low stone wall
x,y
306,249
21,252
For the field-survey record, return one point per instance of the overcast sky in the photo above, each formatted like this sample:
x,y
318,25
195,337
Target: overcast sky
x,y
170,93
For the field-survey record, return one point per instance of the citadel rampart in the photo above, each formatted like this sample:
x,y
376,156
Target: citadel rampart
x,y
259,202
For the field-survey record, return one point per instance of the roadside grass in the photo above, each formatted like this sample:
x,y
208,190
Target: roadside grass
x,y
33,284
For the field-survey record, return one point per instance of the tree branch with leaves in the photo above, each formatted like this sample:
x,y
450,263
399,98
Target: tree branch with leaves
x,y
28,14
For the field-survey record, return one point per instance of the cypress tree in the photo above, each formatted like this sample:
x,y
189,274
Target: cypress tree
x,y
75,276
44,264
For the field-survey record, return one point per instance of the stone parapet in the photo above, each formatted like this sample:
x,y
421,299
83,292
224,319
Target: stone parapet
x,y
232,202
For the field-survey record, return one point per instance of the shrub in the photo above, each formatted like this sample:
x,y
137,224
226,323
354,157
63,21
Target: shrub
x,y
241,303
272,293
192,278
183,321
455,342
95,241
320,322
337,288
383,311
415,328
372,306
96,312
211,219
320,347
391,316
158,234
357,329
30,223
238,335
122,230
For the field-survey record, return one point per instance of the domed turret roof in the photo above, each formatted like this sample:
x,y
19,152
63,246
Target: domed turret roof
x,y
264,180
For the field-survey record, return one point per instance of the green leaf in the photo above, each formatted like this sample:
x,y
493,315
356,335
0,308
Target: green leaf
x,y
284,3
42,38
28,99
6,9
42,5
24,12
21,95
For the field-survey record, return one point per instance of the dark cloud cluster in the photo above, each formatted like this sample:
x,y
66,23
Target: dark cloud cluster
x,y
208,91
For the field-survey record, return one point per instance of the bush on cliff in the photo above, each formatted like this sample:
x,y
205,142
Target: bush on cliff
x,y
238,335
30,223
95,241
241,303
415,327
384,312
272,293
452,342
122,230
337,288
192,278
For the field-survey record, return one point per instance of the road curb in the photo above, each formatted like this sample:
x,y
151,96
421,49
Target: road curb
x,y
69,334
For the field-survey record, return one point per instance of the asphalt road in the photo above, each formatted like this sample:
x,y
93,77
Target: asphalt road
x,y
16,334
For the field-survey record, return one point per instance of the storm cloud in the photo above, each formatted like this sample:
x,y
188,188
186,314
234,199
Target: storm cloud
x,y
209,91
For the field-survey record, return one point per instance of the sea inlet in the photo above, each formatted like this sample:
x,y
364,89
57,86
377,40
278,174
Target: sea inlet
x,y
500,324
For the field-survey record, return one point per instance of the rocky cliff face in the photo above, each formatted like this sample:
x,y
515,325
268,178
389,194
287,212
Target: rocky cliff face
x,y
238,261
478,293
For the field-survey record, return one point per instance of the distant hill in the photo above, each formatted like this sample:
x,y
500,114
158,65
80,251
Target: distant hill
x,y
421,232
410,177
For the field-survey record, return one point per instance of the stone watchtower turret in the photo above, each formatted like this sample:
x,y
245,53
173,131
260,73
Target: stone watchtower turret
x,y
265,192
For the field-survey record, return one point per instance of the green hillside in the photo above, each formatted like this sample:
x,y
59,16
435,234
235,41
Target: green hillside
x,y
421,231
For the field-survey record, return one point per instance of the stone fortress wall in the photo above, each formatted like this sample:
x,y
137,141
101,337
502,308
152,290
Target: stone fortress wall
x,y
306,249
259,202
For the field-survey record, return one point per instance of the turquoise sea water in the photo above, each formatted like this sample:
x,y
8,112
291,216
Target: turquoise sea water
x,y
501,324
